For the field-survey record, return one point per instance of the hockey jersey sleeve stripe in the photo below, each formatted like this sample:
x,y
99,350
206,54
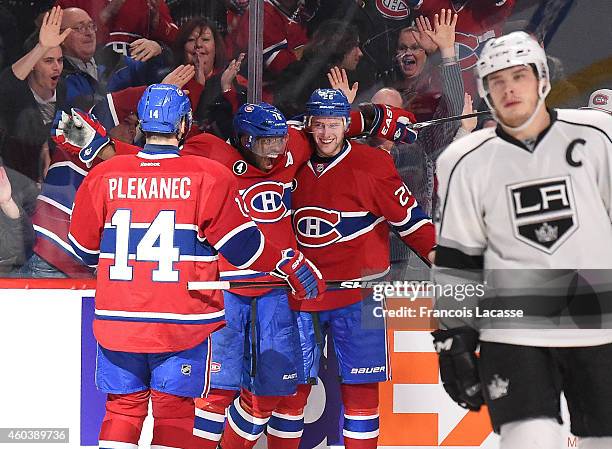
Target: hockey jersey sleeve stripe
x,y
406,220
45,233
233,233
160,317
360,232
68,164
116,445
53,219
112,110
470,251
61,183
415,227
272,51
239,274
88,256
243,248
55,204
454,258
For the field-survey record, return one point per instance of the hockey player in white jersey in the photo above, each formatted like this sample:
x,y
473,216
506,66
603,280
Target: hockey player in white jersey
x,y
533,195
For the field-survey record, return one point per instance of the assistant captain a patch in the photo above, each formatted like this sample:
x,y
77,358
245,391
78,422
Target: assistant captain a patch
x,y
543,212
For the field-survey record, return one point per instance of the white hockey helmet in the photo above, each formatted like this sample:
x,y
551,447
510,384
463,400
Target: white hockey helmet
x,y
517,48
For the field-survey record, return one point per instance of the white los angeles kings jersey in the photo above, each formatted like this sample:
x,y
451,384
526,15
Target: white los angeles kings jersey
x,y
546,208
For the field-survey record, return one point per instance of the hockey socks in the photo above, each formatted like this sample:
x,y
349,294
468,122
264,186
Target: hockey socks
x,y
123,420
361,426
247,418
172,421
286,424
210,417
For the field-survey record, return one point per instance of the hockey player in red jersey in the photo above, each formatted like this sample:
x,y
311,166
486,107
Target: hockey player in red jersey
x,y
284,33
265,186
268,368
345,199
151,222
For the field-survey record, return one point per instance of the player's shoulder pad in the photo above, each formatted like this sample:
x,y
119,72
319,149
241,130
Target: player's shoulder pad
x,y
372,160
103,167
587,117
208,145
206,165
456,151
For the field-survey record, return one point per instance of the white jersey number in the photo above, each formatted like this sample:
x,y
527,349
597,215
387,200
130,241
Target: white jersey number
x,y
156,245
403,194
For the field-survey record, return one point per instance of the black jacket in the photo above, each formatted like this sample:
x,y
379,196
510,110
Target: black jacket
x,y
22,131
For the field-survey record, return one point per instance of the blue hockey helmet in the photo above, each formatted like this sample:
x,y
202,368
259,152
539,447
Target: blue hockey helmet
x,y
328,103
265,128
161,109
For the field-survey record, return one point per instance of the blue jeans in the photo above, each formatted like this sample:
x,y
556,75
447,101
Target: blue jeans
x,y
37,267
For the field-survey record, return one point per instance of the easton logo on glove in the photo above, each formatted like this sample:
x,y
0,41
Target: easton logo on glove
x,y
394,124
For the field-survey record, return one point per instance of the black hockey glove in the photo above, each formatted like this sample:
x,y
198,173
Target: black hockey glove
x,y
458,365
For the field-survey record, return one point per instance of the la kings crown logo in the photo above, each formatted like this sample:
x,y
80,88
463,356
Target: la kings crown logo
x,y
543,212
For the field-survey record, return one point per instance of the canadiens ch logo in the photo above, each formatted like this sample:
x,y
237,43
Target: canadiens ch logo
x,y
543,212
467,46
393,9
264,201
239,168
600,100
316,227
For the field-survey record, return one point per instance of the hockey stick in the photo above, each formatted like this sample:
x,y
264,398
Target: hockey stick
x,y
336,284
227,285
439,121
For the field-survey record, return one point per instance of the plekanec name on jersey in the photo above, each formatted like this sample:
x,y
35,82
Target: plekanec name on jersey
x,y
149,188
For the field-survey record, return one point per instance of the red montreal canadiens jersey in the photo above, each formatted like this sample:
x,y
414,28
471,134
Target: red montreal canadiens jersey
x,y
266,195
51,218
152,222
341,219
479,21
281,36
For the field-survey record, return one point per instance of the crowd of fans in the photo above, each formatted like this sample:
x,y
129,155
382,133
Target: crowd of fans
x,y
99,55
